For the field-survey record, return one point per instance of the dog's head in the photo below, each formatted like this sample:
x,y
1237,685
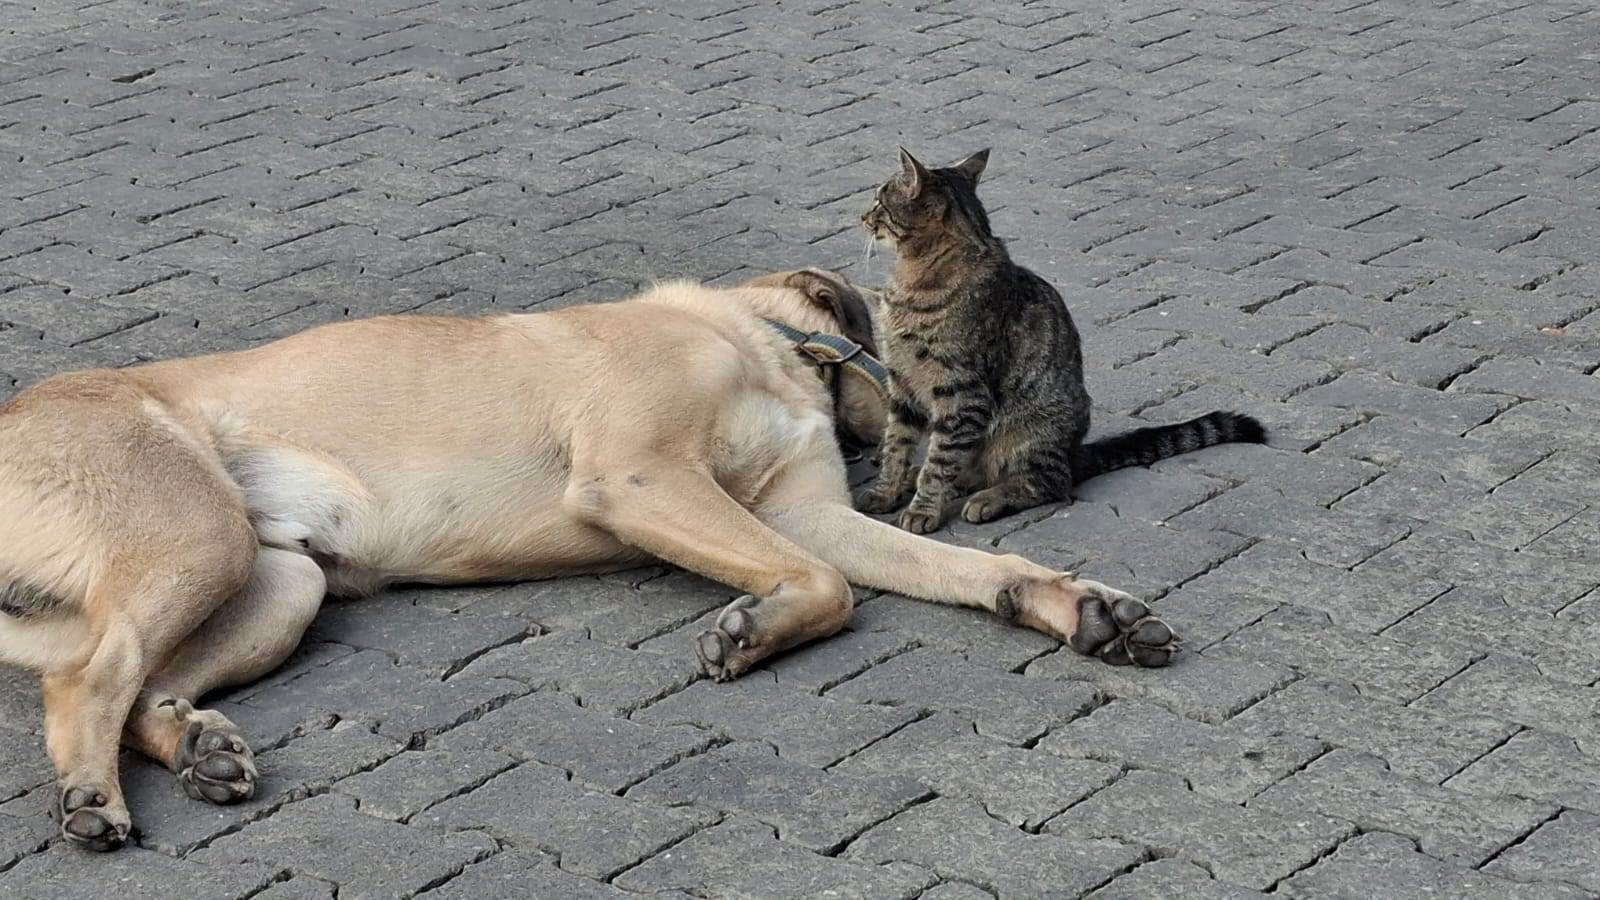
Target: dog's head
x,y
827,301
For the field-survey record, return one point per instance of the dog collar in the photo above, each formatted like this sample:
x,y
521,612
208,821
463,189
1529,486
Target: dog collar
x,y
833,350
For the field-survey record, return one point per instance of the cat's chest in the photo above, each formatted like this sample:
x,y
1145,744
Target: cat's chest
x,y
920,356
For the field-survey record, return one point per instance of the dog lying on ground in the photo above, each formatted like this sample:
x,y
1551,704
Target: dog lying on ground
x,y
172,528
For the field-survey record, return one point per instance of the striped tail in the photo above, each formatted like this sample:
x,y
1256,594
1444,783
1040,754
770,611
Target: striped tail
x,y
1143,446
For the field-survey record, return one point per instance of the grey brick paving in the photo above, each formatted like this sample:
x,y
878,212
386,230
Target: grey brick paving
x,y
1372,225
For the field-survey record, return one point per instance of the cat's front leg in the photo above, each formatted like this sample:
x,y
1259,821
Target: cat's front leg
x,y
961,415
896,475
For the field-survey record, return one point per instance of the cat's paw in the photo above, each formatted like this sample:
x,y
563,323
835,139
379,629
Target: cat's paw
x,y
985,506
921,518
878,501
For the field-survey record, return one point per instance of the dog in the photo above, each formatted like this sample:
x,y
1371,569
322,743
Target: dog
x,y
172,528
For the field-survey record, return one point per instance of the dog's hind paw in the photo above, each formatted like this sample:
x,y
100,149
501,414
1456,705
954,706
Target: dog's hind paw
x,y
90,820
215,764
1122,631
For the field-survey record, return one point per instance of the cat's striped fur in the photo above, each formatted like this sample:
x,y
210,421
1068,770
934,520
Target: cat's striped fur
x,y
983,357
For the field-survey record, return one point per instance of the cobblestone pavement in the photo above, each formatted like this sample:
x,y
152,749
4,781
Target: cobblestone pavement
x,y
1369,223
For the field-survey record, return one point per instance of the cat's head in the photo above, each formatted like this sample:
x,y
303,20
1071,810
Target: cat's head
x,y
918,206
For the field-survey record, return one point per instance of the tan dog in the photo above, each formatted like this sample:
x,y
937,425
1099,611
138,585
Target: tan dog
x,y
172,528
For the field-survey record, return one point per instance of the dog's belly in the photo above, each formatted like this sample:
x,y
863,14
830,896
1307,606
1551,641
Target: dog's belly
x,y
494,516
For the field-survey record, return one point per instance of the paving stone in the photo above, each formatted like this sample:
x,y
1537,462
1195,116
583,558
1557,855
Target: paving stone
x,y
413,636
824,664
1244,846
411,781
1538,765
1389,442
64,873
299,889
1094,538
1220,762
1351,349
1004,705
1448,825
1385,667
26,826
812,808
946,753
1438,552
1415,742
1565,649
1519,378
1377,395
514,873
977,635
1197,685
1276,574
957,841
1335,537
595,834
817,731
1313,479
1512,690
602,750
404,702
1395,862
743,858
1172,878
1404,322
1562,849
601,676
314,837
32,766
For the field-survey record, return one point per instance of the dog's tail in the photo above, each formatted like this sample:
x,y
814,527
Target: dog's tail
x,y
1143,446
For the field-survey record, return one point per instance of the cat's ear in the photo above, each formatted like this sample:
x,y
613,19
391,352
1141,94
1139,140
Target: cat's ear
x,y
973,166
913,173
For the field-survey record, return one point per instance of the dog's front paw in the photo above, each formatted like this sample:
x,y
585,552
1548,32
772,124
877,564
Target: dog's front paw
x,y
1122,631
90,819
215,764
722,648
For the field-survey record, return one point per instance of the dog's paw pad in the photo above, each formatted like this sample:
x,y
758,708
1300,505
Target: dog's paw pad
x,y
87,822
716,650
1123,633
724,648
215,765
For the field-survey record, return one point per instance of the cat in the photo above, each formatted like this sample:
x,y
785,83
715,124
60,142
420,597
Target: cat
x,y
983,356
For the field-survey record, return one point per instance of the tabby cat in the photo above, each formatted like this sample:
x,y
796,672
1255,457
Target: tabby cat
x,y
983,356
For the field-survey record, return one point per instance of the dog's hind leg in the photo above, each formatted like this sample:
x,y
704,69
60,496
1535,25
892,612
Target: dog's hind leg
x,y
682,516
1088,616
245,638
137,614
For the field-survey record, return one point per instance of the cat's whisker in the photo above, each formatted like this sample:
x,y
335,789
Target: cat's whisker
x,y
867,253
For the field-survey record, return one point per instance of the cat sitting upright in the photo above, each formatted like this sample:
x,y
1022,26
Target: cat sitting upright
x,y
983,356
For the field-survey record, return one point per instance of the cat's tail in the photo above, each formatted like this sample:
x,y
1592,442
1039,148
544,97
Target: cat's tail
x,y
1143,446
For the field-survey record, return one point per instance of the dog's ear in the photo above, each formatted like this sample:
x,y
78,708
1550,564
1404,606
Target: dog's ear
x,y
841,298
912,173
973,166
